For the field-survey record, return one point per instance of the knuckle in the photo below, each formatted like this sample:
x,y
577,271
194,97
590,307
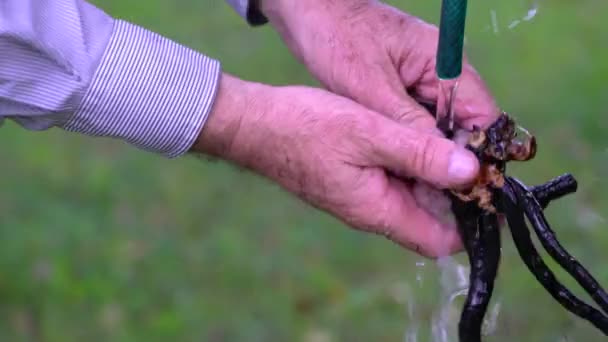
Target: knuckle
x,y
405,115
362,131
423,157
414,117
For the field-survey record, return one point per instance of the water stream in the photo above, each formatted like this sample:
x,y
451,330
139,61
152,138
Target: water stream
x,y
453,280
453,276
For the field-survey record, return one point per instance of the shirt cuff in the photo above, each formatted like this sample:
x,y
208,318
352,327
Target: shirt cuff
x,y
249,10
149,91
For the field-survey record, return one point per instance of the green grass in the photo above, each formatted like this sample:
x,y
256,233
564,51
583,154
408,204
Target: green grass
x,y
102,242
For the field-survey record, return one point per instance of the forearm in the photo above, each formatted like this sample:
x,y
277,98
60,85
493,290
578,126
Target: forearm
x,y
249,127
259,127
237,104
68,64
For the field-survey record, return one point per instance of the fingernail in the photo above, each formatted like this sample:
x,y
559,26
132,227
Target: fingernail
x,y
462,167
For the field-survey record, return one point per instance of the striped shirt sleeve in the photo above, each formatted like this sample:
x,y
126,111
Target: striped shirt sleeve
x,y
67,64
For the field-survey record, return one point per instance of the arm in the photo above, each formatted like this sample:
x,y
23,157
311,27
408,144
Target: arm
x,y
67,64
375,54
333,154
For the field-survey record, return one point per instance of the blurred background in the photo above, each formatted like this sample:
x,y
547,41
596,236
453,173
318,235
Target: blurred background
x,y
102,242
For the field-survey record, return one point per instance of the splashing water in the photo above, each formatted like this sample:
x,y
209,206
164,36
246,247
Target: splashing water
x,y
491,320
529,16
454,276
496,17
411,334
494,21
454,283
419,266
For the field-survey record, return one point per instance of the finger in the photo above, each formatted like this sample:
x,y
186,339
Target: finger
x,y
379,88
473,105
412,114
424,156
412,227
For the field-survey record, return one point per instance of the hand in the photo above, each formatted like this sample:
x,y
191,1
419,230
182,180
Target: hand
x,y
372,53
339,157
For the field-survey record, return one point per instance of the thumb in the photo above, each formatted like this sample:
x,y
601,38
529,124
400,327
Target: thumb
x,y
424,156
385,94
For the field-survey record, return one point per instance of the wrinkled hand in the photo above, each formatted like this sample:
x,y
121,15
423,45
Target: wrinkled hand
x,y
376,55
336,155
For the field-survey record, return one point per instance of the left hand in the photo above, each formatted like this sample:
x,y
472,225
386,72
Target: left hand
x,y
334,154
378,56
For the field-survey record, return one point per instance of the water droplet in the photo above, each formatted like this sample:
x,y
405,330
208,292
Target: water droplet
x,y
494,21
491,320
512,16
513,24
454,284
531,12
419,270
411,334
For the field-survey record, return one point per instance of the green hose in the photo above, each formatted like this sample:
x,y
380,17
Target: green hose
x,y
451,38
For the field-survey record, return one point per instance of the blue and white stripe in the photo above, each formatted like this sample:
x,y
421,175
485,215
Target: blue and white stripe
x,y
149,91
66,63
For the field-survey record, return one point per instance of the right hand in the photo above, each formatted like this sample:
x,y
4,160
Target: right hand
x,y
340,157
378,56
